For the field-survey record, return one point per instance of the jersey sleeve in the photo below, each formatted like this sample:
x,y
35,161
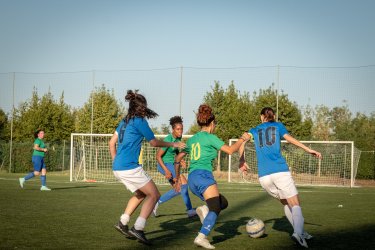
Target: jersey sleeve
x,y
216,142
145,130
282,130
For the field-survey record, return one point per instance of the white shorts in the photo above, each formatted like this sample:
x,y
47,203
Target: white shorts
x,y
133,179
279,185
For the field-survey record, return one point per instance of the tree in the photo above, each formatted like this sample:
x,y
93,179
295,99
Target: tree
x,y
54,117
232,110
107,113
288,111
3,124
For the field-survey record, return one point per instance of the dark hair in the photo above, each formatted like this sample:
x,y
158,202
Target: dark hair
x,y
137,106
36,132
268,113
175,120
205,115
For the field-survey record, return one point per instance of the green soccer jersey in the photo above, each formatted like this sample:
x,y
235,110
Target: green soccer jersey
x,y
169,152
202,148
40,143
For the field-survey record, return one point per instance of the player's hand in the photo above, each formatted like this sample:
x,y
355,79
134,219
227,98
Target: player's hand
x,y
45,150
243,167
179,145
316,154
183,163
177,185
246,136
168,174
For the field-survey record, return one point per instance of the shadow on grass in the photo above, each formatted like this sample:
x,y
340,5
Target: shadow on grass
x,y
72,187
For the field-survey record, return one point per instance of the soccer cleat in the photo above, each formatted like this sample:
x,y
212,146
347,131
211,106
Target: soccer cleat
x,y
300,240
22,181
202,212
124,229
45,188
140,235
307,236
201,241
191,213
155,210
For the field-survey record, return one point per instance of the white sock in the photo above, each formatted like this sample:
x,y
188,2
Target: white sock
x,y
125,218
298,219
201,236
288,214
140,223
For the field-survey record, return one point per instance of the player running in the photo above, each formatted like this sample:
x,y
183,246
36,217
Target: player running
x,y
126,164
273,171
203,148
166,157
38,161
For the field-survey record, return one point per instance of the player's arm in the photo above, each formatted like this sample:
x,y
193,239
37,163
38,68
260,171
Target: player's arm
x,y
297,143
158,143
159,155
233,148
177,168
112,145
36,147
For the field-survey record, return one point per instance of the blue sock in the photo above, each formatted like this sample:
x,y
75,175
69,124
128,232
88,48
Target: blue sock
x,y
43,180
185,196
29,176
168,195
208,223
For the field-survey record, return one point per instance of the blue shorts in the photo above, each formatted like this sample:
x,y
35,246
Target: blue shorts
x,y
38,162
170,167
199,180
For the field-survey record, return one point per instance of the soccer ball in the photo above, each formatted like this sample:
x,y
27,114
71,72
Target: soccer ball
x,y
255,228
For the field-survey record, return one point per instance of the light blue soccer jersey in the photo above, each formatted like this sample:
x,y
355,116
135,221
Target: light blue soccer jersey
x,y
267,137
130,137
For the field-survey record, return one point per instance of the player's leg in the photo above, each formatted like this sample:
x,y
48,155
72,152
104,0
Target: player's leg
x,y
132,179
43,178
185,196
152,196
288,191
37,167
171,193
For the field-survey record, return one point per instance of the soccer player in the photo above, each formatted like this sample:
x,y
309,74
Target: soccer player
x,y
165,157
38,161
273,171
203,148
126,164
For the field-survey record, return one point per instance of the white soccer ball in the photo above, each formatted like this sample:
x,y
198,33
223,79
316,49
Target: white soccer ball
x,y
255,228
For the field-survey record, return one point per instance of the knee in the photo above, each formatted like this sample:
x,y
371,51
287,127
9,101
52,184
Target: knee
x,y
216,204
36,173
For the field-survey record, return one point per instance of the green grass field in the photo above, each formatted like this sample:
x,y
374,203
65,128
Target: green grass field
x,y
82,215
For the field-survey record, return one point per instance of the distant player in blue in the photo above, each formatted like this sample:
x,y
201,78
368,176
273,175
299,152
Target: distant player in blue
x,y
166,158
202,149
127,163
273,171
38,161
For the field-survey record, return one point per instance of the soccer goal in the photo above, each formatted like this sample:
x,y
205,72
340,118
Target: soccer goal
x,y
90,159
338,166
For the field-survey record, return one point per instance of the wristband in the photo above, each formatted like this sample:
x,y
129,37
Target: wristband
x,y
177,163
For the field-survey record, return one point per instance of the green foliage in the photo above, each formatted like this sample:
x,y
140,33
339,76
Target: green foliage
x,y
107,113
288,112
232,110
54,117
3,124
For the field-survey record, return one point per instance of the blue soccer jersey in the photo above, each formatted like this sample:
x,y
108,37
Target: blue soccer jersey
x,y
130,137
267,137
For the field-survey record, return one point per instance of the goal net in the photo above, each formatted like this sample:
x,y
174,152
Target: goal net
x,y
338,166
90,159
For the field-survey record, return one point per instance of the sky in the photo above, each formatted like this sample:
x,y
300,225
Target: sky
x,y
49,36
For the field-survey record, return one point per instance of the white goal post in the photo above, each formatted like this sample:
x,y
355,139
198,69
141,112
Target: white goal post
x,y
338,166
90,159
